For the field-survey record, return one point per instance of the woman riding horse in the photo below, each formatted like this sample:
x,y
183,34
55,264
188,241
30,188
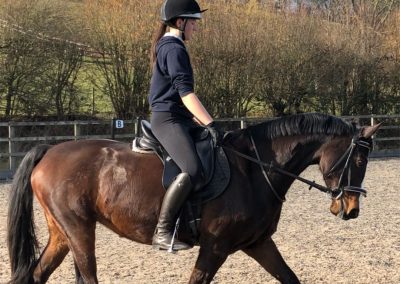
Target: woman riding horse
x,y
175,107
104,181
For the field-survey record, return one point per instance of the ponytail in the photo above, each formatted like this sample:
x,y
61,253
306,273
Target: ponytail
x,y
156,37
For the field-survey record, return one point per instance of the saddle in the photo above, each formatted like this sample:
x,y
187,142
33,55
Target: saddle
x,y
213,159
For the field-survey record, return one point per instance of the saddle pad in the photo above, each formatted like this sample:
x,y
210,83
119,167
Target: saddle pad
x,y
219,181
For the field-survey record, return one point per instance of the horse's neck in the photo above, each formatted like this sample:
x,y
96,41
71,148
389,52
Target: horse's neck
x,y
296,153
293,154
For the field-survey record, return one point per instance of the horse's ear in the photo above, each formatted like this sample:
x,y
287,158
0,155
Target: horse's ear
x,y
368,131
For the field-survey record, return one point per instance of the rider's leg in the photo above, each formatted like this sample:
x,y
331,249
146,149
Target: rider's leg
x,y
173,200
173,133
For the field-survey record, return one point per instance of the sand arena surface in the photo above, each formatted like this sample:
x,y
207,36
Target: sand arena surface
x,y
318,246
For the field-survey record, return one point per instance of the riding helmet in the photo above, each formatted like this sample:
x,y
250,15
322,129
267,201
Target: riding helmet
x,y
172,9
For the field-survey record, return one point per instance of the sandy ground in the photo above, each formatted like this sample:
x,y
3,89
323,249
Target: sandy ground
x,y
318,246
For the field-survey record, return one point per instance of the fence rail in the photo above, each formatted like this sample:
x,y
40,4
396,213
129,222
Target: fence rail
x,y
16,138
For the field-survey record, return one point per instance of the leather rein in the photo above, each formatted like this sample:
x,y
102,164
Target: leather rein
x,y
335,193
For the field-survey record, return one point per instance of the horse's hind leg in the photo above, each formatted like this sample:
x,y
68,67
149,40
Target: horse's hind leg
x,y
81,243
82,246
53,254
267,254
207,264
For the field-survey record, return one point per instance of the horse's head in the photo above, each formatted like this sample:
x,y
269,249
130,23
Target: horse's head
x,y
343,164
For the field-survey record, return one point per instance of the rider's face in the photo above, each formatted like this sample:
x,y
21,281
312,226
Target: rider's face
x,y
191,27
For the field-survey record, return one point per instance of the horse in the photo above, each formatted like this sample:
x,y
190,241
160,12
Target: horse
x,y
80,183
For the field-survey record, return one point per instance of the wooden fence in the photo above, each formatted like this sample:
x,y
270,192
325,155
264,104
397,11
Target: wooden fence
x,y
16,138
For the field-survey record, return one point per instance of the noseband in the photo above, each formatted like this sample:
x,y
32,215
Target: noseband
x,y
335,193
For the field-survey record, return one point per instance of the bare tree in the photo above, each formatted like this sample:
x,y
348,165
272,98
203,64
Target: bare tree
x,y
19,55
122,46
225,60
40,64
374,12
61,76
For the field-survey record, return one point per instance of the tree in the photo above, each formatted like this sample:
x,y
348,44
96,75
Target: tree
x,y
19,55
225,59
38,61
61,75
121,52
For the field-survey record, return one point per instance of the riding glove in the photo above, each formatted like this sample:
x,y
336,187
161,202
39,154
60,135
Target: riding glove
x,y
215,133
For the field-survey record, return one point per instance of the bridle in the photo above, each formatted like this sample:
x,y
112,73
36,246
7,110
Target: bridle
x,y
340,189
336,193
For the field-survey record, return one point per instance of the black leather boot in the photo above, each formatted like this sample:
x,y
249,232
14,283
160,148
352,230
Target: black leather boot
x,y
174,198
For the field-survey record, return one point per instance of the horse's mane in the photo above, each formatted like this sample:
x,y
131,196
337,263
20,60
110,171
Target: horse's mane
x,y
305,124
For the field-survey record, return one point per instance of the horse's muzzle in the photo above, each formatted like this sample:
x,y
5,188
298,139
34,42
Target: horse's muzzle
x,y
346,209
353,213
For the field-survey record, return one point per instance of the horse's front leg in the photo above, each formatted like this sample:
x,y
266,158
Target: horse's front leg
x,y
267,254
207,264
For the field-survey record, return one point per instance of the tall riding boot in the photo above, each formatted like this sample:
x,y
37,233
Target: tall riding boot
x,y
174,198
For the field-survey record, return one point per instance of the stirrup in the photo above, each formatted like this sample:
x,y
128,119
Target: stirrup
x,y
171,246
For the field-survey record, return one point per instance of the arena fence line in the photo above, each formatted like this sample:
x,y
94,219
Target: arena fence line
x,y
17,138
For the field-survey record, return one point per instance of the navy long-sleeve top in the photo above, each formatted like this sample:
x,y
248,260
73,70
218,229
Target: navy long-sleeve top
x,y
172,77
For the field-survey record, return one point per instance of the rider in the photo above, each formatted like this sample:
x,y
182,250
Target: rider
x,y
176,110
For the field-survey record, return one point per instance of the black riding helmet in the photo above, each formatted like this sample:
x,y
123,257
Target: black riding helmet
x,y
185,9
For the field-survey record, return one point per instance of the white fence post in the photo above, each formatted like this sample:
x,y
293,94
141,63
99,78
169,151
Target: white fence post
x,y
373,136
76,130
11,158
137,127
243,123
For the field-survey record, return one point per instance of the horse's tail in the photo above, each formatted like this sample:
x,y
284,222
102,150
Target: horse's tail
x,y
21,239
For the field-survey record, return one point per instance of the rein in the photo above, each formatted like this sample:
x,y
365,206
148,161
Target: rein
x,y
281,171
335,193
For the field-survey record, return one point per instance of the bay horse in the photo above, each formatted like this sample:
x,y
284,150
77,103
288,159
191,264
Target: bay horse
x,y
79,183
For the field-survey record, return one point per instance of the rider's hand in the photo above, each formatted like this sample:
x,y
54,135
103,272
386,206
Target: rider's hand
x,y
215,133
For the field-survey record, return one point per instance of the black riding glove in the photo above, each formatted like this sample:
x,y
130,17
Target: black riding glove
x,y
216,133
